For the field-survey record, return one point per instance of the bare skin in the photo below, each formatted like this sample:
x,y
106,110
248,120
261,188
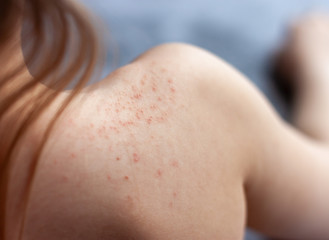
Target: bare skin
x,y
179,145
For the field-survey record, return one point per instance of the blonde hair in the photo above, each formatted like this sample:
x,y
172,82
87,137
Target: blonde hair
x,y
61,49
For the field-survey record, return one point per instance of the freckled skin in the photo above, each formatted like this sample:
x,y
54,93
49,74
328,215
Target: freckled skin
x,y
132,100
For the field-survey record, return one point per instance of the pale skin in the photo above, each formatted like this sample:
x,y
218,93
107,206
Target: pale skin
x,y
179,145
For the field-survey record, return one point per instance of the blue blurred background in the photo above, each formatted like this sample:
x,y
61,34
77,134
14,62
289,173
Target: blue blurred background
x,y
243,32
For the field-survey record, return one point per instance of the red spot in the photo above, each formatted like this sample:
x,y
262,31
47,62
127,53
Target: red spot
x,y
142,82
73,155
125,124
159,99
174,164
118,159
171,204
170,80
154,89
159,172
117,110
130,201
153,107
160,119
91,125
174,194
138,96
172,90
65,179
71,121
137,116
136,158
126,178
100,131
139,112
109,177
149,120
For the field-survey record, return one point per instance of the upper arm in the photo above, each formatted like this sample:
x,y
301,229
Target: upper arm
x,y
285,173
288,192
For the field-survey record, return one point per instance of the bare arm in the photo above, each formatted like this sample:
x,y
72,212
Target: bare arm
x,y
287,190
288,193
286,173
